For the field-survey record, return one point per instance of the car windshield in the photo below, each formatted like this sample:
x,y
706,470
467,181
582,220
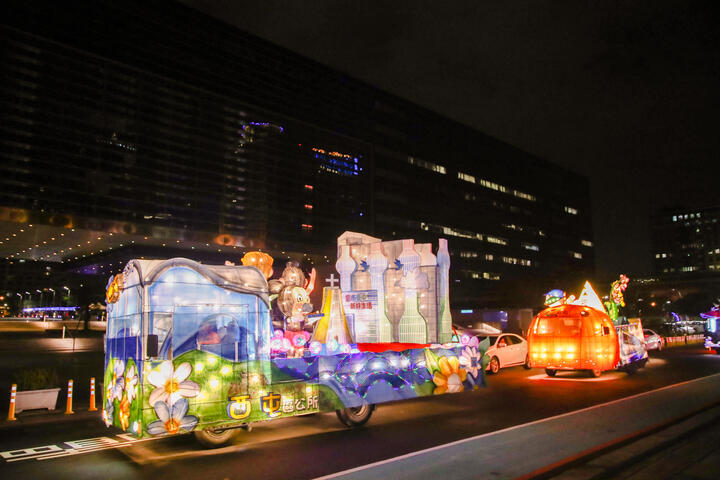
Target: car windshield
x,y
491,338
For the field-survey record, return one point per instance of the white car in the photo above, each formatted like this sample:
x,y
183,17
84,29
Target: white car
x,y
506,350
653,341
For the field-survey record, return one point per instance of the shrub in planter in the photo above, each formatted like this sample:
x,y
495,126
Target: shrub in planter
x,y
37,388
37,379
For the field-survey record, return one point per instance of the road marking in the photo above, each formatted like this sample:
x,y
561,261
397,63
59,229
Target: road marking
x,y
76,447
497,432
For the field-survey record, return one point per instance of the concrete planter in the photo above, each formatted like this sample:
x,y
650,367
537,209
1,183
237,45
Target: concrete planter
x,y
32,399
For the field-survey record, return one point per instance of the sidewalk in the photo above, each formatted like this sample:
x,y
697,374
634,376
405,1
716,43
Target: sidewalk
x,y
33,418
545,447
689,449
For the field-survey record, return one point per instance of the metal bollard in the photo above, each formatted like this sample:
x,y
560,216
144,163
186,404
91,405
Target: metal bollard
x,y
92,395
11,412
69,409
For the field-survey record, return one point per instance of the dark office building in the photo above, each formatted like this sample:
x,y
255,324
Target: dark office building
x,y
149,129
686,241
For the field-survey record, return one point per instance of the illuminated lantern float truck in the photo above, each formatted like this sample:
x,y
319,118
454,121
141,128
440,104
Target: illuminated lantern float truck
x,y
192,348
580,335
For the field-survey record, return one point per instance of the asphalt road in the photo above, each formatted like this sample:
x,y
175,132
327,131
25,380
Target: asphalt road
x,y
313,446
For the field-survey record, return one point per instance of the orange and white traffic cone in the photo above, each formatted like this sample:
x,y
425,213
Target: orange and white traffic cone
x,y
69,409
92,395
11,412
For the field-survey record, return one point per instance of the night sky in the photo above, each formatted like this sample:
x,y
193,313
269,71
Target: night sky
x,y
626,93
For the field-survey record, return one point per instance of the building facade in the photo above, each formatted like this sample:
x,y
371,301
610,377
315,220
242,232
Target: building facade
x,y
150,129
686,241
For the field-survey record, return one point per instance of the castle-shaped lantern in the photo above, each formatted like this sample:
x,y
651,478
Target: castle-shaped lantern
x,y
394,291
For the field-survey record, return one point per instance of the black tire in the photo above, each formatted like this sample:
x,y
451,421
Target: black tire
x,y
717,351
210,438
527,365
632,368
595,372
355,416
550,372
660,347
494,365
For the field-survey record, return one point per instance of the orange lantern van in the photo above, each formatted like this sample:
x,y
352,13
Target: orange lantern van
x,y
573,337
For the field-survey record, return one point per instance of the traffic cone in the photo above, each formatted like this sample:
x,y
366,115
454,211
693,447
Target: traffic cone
x,y
11,412
69,409
92,395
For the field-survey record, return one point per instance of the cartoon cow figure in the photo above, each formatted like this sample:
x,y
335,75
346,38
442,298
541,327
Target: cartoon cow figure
x,y
293,301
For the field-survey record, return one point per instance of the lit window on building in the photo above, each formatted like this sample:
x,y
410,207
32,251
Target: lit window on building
x,y
450,231
571,211
525,262
576,254
306,227
512,226
496,240
466,177
491,276
433,167
308,187
531,246
468,254
510,260
674,218
586,243
337,163
523,195
493,185
489,257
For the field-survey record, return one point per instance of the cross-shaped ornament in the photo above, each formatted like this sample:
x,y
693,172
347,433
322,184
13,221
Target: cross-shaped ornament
x,y
331,280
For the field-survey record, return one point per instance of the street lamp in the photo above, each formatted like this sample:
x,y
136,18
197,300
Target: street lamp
x,y
68,297
53,297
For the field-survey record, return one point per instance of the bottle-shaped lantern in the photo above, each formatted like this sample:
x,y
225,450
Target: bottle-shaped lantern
x,y
377,264
345,266
445,319
428,298
412,327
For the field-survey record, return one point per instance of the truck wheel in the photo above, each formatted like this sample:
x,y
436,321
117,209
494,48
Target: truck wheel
x,y
632,368
550,372
595,372
527,365
210,438
355,416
